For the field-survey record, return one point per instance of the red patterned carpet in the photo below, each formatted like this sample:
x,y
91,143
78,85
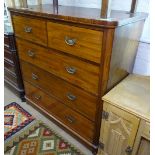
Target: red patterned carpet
x,y
15,119
36,139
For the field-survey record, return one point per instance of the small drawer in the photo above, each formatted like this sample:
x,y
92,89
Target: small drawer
x,y
81,42
30,29
75,71
10,67
74,97
8,55
146,131
70,118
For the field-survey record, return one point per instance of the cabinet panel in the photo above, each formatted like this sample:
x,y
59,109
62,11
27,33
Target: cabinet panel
x,y
118,131
146,131
144,148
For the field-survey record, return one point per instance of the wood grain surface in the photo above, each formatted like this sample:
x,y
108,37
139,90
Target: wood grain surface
x,y
84,103
61,65
80,15
35,27
78,123
87,42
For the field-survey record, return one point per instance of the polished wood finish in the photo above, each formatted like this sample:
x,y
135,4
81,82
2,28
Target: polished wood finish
x,y
10,77
104,8
134,6
6,42
80,15
84,102
8,55
12,73
82,40
30,29
125,45
45,59
61,112
10,67
128,107
87,42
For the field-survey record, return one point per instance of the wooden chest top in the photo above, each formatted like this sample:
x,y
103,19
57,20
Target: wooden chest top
x,y
86,16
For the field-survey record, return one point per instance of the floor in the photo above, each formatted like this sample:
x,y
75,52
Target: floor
x,y
10,97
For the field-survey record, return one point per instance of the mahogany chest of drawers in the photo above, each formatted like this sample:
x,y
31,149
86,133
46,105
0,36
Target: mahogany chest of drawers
x,y
12,73
70,57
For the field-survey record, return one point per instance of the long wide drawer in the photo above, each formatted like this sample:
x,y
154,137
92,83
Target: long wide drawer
x,y
73,70
29,29
10,77
70,95
81,42
8,55
6,41
73,120
10,67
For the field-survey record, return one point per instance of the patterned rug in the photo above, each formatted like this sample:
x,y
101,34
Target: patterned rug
x,y
39,139
15,119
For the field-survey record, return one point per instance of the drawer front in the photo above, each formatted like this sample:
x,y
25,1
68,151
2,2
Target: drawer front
x,y
71,69
70,95
10,77
81,42
8,55
30,29
73,120
9,66
6,41
146,131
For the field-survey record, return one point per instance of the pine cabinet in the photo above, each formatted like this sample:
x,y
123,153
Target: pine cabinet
x,y
119,129
125,127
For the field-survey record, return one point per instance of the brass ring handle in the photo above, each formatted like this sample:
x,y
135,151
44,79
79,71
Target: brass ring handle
x,y
71,70
28,29
70,119
70,41
30,53
37,97
128,150
34,76
71,97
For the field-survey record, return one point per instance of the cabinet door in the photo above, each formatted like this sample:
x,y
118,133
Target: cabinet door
x,y
144,148
142,141
118,131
